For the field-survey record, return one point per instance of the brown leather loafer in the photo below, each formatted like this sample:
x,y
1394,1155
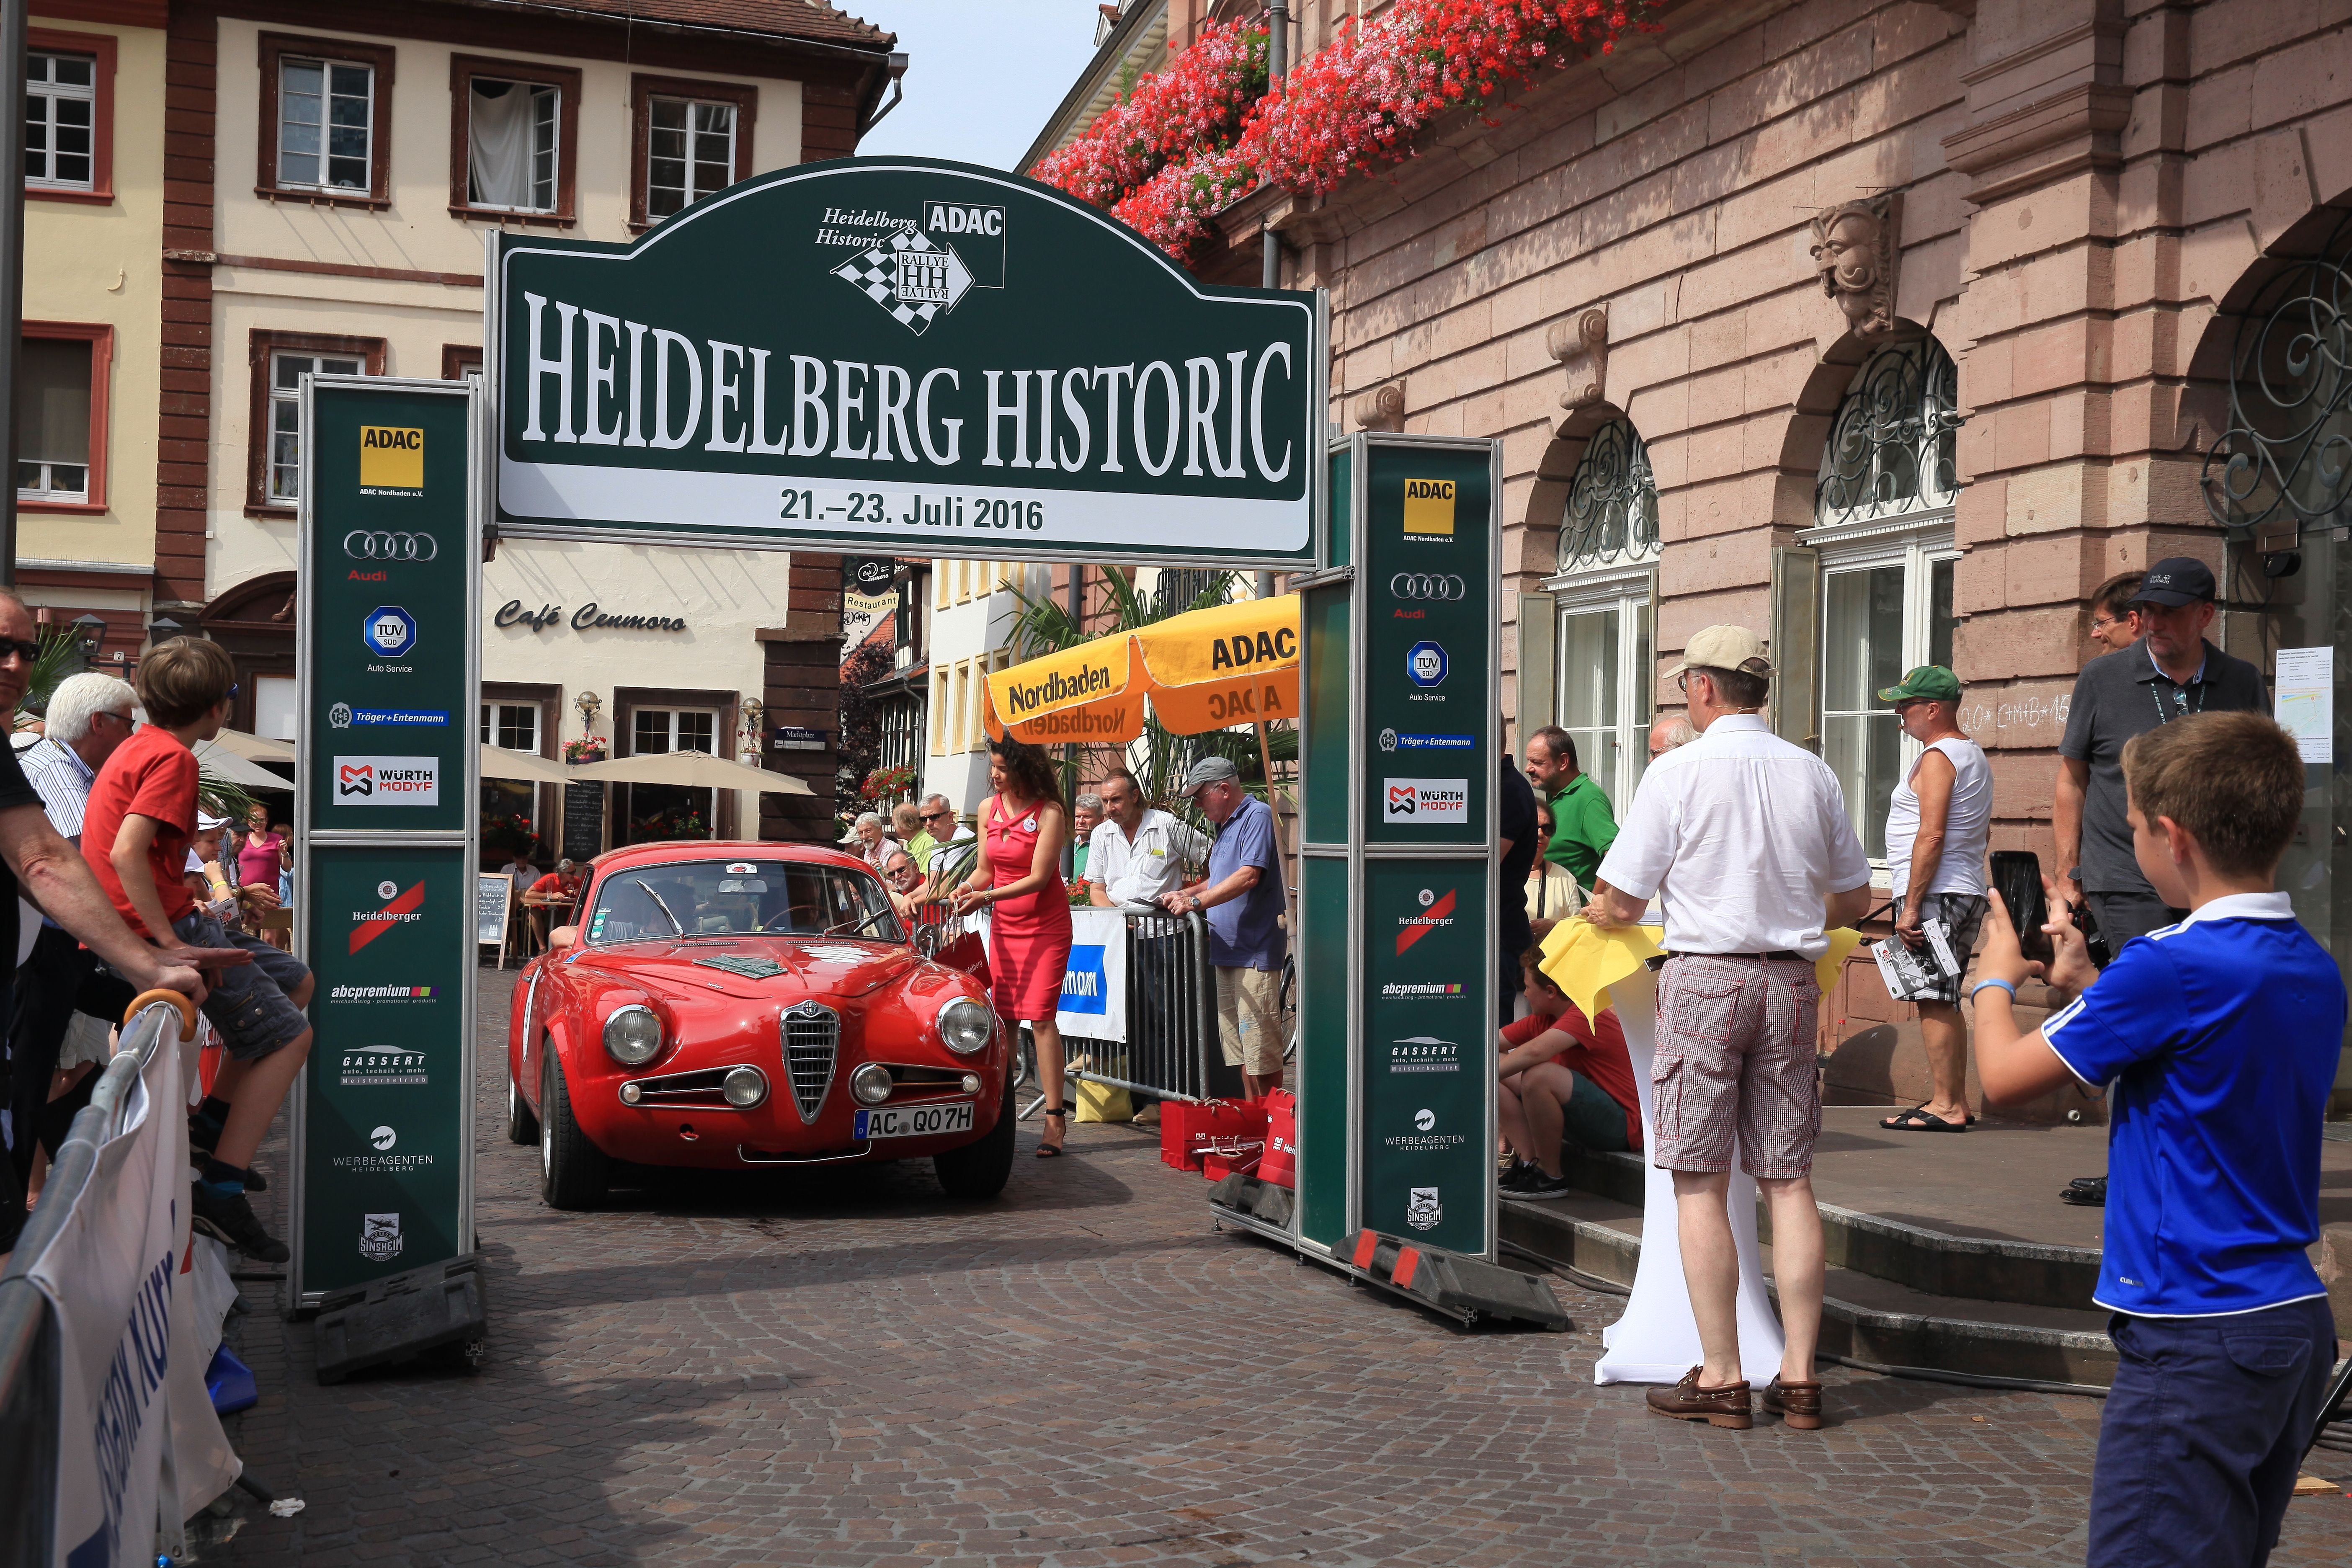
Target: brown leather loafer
x,y
1798,1404
1686,1401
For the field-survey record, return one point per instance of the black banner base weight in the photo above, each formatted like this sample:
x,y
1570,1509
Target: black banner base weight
x,y
1469,1290
401,1317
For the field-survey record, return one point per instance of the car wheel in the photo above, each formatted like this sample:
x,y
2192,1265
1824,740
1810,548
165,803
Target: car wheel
x,y
574,1173
522,1127
980,1169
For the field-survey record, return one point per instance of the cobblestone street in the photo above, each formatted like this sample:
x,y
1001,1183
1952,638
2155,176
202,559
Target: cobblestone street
x,y
855,1371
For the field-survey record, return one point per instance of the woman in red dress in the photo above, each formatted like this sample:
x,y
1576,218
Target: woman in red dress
x,y
1018,879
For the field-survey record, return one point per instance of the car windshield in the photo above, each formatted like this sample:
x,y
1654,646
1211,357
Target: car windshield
x,y
695,898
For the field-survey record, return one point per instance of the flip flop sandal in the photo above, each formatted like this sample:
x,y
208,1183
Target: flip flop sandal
x,y
1919,1119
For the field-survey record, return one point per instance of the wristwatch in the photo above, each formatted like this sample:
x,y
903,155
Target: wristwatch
x,y
1197,905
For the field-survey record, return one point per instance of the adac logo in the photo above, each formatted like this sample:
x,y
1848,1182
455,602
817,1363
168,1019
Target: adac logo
x,y
391,458
1429,508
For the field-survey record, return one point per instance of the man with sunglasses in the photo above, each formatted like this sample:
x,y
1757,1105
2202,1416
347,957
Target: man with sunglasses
x,y
53,875
939,830
88,717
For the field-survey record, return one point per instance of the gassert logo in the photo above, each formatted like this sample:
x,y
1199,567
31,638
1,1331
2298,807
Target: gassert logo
x,y
1424,1053
379,1067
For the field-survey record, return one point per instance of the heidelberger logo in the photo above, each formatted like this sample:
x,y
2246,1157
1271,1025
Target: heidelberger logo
x,y
405,909
1440,914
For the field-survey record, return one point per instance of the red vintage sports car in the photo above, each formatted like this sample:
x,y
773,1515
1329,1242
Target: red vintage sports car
x,y
744,1005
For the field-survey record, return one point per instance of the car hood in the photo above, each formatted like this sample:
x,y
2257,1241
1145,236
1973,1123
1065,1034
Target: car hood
x,y
832,966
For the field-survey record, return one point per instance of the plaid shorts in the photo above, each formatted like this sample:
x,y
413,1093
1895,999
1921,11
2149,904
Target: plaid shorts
x,y
1961,913
249,1003
1736,1060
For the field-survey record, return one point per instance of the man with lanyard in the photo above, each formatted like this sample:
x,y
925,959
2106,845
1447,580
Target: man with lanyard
x,y
2171,671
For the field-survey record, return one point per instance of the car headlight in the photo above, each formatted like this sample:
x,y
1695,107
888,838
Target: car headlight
x,y
745,1088
870,1084
633,1035
965,1025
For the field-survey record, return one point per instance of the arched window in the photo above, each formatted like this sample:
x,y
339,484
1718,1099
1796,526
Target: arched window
x,y
1883,508
1603,664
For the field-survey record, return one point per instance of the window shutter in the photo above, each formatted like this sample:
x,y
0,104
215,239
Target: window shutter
x,y
1794,709
1538,613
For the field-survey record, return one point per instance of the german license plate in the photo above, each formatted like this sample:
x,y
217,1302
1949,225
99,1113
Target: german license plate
x,y
913,1120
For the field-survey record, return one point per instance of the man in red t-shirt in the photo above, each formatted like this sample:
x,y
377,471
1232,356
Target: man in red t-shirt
x,y
1565,1080
140,815
560,889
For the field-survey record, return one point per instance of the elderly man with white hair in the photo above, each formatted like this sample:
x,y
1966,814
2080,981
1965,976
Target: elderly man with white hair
x,y
89,716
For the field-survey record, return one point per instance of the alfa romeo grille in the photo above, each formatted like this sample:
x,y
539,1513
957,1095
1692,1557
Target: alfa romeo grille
x,y
812,1036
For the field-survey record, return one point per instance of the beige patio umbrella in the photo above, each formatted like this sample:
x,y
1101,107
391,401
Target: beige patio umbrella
x,y
254,749
222,763
694,770
525,767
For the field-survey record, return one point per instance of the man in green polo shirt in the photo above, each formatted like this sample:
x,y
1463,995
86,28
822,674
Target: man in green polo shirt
x,y
1584,827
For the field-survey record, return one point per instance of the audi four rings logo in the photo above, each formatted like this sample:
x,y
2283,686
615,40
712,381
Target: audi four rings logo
x,y
361,544
1438,585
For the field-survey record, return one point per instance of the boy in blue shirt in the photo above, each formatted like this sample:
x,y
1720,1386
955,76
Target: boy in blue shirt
x,y
2220,1037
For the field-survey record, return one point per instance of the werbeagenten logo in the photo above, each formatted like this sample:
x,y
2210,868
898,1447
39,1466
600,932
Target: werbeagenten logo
x,y
391,458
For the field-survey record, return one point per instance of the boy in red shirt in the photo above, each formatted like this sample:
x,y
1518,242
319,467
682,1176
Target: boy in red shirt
x,y
1566,1081
135,834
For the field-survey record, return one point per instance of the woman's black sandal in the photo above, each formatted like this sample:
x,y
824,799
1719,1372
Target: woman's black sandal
x,y
1053,1151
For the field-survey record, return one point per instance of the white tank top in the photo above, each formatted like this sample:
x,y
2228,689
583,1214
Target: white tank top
x,y
1968,825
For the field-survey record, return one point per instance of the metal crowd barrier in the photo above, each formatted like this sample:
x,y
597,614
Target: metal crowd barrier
x,y
29,1368
1170,1049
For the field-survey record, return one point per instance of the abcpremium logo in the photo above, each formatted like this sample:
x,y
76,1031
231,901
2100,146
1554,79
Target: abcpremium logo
x,y
1425,990
382,992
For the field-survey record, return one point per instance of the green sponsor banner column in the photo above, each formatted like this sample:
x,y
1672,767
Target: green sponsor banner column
x,y
386,825
1426,965
384,1112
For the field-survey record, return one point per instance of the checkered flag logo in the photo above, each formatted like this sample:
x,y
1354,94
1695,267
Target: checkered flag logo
x,y
910,276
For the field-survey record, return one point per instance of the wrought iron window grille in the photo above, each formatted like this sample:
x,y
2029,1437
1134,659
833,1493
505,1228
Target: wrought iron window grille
x,y
1892,447
1611,514
2285,458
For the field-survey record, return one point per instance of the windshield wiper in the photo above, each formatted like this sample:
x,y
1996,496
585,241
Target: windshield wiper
x,y
658,904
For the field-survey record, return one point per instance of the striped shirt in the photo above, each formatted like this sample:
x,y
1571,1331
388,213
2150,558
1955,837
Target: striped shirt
x,y
63,780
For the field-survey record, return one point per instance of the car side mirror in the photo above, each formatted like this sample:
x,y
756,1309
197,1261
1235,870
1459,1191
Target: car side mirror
x,y
561,937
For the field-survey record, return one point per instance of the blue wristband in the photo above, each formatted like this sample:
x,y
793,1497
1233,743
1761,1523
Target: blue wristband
x,y
1980,984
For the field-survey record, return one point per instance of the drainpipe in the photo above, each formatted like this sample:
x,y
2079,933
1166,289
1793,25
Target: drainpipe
x,y
1277,66
12,266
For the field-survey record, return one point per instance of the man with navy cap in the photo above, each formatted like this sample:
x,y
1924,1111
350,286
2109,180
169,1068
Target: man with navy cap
x,y
2170,671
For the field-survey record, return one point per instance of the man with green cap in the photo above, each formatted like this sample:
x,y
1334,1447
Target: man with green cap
x,y
1937,823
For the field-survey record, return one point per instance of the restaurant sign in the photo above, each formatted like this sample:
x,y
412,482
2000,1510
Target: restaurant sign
x,y
902,356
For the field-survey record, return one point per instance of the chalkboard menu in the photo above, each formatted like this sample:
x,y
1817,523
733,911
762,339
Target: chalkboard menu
x,y
583,821
493,900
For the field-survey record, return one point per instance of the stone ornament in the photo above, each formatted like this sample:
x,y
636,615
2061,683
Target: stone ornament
x,y
1580,344
1854,256
1382,408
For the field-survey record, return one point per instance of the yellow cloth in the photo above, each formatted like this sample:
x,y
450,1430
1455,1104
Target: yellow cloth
x,y
1583,960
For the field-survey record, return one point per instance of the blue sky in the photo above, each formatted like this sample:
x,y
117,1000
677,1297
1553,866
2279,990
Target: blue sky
x,y
981,75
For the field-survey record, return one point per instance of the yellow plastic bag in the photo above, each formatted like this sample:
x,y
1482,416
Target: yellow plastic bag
x,y
1104,1102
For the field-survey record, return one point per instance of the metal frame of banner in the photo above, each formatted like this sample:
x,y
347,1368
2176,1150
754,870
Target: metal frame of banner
x,y
466,838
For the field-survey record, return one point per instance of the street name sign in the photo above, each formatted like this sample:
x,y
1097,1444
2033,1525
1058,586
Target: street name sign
x,y
386,823
902,356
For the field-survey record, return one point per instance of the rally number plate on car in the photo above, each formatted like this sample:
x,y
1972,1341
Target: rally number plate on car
x,y
913,1120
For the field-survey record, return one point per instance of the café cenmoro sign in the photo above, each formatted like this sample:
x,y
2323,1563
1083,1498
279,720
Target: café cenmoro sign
x,y
902,355
588,617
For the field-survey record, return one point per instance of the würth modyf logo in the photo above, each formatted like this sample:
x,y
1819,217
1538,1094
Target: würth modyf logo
x,y
920,273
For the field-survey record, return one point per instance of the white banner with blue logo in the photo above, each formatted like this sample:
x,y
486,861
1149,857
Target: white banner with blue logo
x,y
1094,989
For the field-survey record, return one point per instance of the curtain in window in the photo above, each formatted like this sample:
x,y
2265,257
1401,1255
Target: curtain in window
x,y
53,401
497,150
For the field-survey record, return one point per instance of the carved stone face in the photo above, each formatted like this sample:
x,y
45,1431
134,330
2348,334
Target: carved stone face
x,y
1848,264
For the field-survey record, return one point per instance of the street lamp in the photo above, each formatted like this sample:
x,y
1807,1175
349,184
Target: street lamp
x,y
162,629
89,635
589,704
753,711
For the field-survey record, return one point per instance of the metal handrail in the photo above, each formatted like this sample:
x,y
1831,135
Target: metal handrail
x,y
30,1394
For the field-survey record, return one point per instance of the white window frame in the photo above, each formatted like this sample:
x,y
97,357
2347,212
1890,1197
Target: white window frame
x,y
48,95
290,398
1629,588
691,191
1915,542
325,184
493,721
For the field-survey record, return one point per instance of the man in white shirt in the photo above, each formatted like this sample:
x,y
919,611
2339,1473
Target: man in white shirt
x,y
1137,852
1745,838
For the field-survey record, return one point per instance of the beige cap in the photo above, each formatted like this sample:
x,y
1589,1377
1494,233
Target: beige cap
x,y
1724,647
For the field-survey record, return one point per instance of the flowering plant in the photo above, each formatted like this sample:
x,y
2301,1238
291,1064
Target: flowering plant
x,y
1342,112
886,783
587,748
